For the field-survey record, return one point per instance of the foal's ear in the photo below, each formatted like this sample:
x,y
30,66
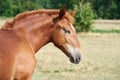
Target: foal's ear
x,y
62,12
72,13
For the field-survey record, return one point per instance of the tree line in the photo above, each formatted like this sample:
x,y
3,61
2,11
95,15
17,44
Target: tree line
x,y
86,10
104,9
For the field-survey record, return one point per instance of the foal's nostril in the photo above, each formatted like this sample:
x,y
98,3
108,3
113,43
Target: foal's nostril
x,y
78,59
72,59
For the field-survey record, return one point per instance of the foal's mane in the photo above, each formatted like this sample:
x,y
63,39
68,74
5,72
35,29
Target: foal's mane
x,y
35,13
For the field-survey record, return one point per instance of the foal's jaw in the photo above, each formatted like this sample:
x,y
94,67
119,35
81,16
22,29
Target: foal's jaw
x,y
73,54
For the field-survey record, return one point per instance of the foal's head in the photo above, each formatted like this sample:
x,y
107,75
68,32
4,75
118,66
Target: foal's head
x,y
64,36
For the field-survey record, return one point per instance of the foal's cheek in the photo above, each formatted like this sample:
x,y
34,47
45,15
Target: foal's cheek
x,y
58,38
68,39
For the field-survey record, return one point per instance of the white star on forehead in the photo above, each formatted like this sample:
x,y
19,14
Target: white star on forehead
x,y
72,27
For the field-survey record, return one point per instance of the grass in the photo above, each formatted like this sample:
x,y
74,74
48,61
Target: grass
x,y
106,26
105,31
101,60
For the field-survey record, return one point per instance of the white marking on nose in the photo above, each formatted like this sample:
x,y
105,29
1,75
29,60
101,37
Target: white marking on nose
x,y
72,50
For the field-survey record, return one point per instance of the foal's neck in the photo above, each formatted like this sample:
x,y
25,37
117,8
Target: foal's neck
x,y
36,33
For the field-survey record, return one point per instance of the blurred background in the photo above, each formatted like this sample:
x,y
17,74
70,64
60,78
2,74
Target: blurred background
x,y
101,8
98,26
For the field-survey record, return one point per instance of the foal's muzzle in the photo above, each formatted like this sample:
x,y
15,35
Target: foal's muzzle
x,y
74,54
75,59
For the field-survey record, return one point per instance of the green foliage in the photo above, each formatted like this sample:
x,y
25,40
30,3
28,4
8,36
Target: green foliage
x,y
12,7
106,9
102,8
84,17
6,8
58,3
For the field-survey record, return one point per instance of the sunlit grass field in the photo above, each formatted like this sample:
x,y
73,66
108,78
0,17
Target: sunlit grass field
x,y
100,61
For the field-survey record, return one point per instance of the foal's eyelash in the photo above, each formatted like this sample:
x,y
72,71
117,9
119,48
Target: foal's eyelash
x,y
66,30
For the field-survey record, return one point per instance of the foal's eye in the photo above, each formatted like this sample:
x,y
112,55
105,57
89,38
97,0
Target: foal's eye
x,y
66,31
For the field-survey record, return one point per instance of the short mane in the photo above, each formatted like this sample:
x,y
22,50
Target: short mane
x,y
35,13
